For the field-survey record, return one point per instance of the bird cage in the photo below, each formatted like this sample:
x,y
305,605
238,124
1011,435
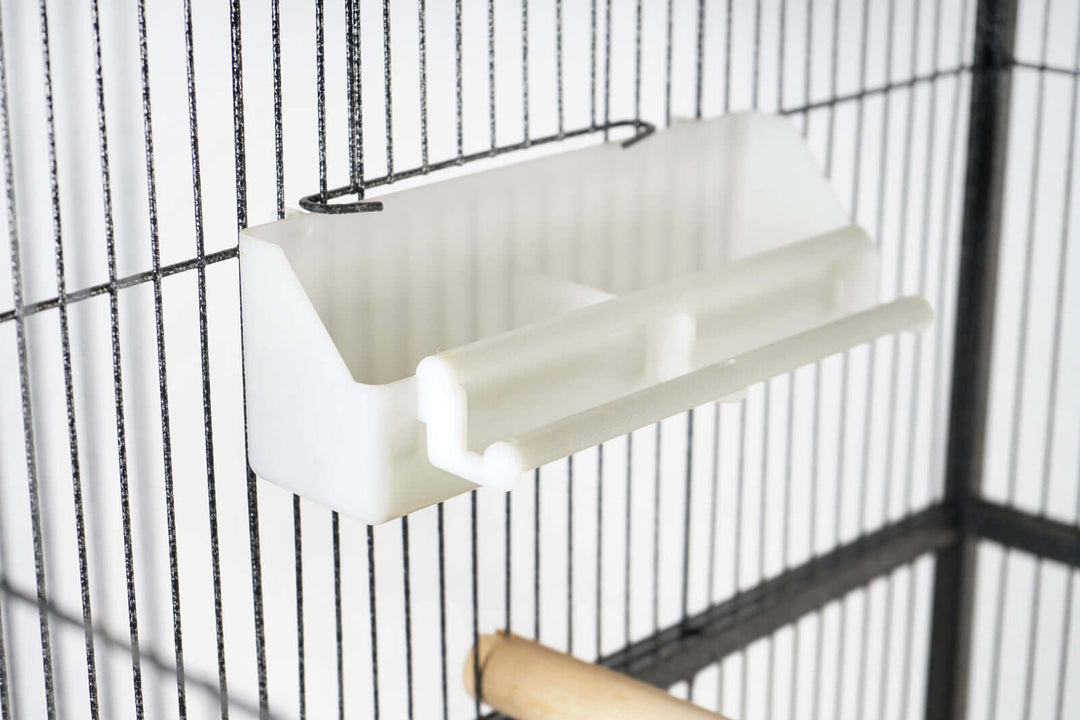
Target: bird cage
x,y
340,335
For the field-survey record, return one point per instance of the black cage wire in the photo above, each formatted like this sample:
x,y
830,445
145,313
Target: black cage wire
x,y
890,533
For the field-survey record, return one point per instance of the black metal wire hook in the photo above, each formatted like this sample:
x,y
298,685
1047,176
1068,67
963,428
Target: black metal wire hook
x,y
321,202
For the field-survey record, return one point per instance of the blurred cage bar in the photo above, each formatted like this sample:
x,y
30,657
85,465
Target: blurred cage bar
x,y
892,533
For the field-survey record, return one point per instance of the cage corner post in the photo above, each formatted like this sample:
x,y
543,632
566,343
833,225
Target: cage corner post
x,y
984,184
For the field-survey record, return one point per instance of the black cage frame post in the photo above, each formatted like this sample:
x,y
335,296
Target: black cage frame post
x,y
984,188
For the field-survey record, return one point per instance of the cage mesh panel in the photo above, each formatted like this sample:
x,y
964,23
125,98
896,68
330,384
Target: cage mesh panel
x,y
1034,422
124,492
846,660
1026,637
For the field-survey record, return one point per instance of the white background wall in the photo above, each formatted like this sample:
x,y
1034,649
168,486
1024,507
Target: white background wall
x,y
904,185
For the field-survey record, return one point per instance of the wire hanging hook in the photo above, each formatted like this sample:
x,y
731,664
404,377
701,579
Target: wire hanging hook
x,y
321,202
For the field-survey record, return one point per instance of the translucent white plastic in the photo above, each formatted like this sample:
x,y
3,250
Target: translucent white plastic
x,y
480,327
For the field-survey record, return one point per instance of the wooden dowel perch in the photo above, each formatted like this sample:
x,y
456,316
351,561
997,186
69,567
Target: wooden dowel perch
x,y
527,681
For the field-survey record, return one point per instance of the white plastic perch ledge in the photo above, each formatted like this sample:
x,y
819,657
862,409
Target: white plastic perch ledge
x,y
480,327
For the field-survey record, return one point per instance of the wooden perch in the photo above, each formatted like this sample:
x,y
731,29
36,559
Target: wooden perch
x,y
528,681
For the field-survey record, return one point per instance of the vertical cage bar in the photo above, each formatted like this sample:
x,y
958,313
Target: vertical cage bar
x,y
162,375
374,625
422,30
569,556
204,343
442,609
335,542
475,597
252,489
320,92
389,95
407,590
298,557
6,695
599,547
559,94
5,705
954,573
458,81
536,554
51,705
525,70
1062,661
607,68
628,566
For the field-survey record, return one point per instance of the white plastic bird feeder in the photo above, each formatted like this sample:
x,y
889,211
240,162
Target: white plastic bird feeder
x,y
480,327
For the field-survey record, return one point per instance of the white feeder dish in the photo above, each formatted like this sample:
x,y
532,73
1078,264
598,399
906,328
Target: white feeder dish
x,y
479,327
